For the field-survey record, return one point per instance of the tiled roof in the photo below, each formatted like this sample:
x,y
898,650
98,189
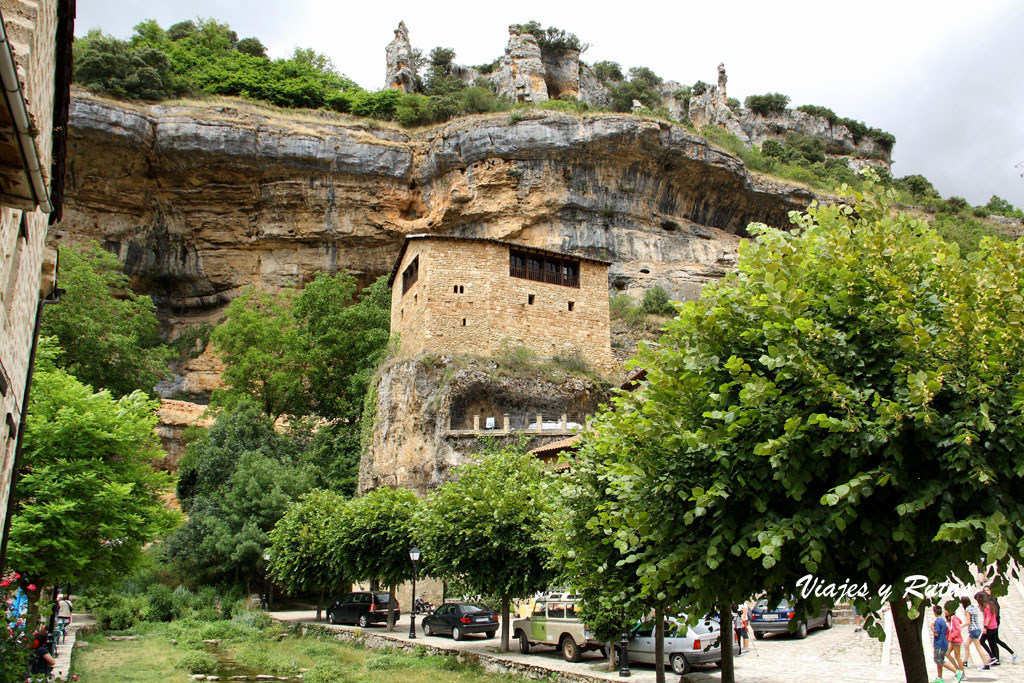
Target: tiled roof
x,y
555,446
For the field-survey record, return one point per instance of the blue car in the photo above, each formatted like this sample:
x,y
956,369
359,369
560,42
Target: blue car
x,y
778,619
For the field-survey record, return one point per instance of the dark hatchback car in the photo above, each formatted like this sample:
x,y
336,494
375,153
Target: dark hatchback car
x,y
362,608
764,620
460,618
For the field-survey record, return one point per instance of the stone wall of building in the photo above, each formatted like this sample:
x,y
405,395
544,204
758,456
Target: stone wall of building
x,y
465,301
31,27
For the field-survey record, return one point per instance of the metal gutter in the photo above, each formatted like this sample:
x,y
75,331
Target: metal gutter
x,y
15,99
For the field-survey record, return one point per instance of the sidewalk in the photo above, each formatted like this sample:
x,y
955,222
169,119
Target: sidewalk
x,y
65,648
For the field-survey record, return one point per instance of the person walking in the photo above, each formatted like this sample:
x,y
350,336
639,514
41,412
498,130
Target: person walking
x,y
940,645
974,631
956,639
999,622
64,610
990,628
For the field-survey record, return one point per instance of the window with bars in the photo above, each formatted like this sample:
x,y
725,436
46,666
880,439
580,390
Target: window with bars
x,y
553,270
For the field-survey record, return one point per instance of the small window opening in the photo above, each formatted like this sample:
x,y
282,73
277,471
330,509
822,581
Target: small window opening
x,y
462,289
571,304
530,299
463,322
455,288
415,298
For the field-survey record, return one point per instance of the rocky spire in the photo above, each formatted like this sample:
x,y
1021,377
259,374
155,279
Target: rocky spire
x,y
721,82
401,74
521,78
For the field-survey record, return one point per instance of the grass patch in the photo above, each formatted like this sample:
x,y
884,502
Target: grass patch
x,y
154,659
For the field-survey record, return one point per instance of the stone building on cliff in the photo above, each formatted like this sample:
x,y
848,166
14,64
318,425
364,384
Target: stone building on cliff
x,y
35,70
457,295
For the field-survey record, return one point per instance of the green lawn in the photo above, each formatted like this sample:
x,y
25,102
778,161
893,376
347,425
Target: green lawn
x,y
154,658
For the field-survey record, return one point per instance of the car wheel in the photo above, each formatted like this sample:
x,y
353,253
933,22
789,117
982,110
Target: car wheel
x,y
680,665
490,634
828,621
801,631
616,656
758,635
457,633
570,650
427,631
524,643
364,621
330,618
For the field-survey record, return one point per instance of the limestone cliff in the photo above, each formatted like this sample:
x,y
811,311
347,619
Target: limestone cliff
x,y
200,201
426,407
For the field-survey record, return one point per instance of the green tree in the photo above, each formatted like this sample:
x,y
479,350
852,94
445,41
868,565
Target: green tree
x,y
235,482
644,74
183,29
608,71
264,353
115,66
88,498
483,528
847,404
109,335
918,186
302,546
771,103
252,47
374,535
345,336
656,301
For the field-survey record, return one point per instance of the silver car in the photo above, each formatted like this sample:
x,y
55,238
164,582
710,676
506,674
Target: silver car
x,y
685,647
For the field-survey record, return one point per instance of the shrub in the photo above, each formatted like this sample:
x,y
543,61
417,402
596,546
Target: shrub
x,y
119,612
197,662
917,185
573,363
414,110
656,302
515,357
181,602
160,603
642,73
608,71
733,103
477,100
324,672
623,94
999,206
490,67
378,105
956,203
256,656
823,112
699,88
515,117
624,307
804,148
253,47
773,148
770,103
552,39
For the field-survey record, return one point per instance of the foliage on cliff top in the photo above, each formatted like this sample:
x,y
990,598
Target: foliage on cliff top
x,y
204,56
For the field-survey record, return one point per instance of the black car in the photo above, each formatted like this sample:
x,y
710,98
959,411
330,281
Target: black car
x,y
362,608
460,618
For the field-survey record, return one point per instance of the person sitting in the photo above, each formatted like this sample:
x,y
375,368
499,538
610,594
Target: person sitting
x,y
42,661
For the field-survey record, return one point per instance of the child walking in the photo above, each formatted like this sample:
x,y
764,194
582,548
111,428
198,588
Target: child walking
x,y
974,630
940,645
956,639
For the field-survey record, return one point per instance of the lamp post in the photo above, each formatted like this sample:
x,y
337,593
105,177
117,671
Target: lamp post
x,y
265,598
624,655
414,555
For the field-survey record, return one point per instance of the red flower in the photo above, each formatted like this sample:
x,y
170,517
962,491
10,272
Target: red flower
x,y
5,583
16,576
31,587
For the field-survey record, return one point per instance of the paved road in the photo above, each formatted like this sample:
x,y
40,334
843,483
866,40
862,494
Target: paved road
x,y
838,654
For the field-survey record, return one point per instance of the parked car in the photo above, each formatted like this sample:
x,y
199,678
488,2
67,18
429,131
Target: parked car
x,y
764,620
460,619
362,608
554,622
685,646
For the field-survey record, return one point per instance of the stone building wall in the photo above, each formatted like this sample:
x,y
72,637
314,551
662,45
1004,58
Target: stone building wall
x,y
465,301
31,29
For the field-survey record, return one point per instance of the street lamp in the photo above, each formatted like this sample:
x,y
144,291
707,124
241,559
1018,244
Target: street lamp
x,y
414,555
624,655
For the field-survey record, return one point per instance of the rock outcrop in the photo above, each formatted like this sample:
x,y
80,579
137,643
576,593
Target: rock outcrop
x,y
175,418
199,202
522,74
401,62
419,429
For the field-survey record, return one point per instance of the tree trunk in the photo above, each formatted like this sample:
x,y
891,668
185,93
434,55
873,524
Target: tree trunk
x,y
659,644
725,620
908,632
319,604
612,664
505,607
391,613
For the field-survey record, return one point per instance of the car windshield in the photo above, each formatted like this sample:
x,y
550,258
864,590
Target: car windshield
x,y
469,609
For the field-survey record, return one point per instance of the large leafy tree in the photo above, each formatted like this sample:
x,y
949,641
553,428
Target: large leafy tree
x,y
109,335
235,482
305,353
373,537
303,555
483,529
88,497
849,404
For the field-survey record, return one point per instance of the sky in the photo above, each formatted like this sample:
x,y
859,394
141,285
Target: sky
x,y
946,78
